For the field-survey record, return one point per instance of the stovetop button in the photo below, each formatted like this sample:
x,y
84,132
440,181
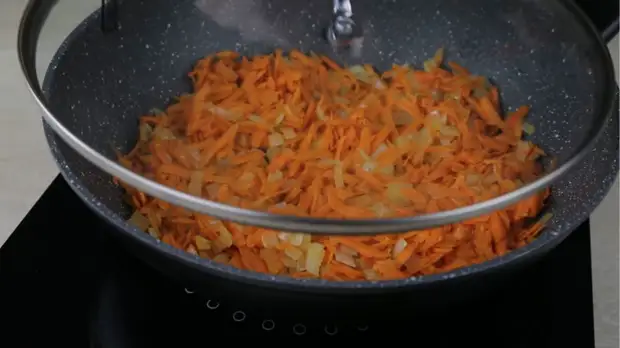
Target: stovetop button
x,y
331,330
239,316
299,329
268,325
362,328
212,304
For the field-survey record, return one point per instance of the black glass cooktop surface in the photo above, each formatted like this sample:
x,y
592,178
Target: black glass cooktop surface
x,y
63,281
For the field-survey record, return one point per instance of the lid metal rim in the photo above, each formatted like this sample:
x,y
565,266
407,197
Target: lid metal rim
x,y
28,35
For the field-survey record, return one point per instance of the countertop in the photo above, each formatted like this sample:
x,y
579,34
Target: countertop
x,y
27,167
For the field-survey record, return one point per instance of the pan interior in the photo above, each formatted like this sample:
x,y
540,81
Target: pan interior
x,y
535,51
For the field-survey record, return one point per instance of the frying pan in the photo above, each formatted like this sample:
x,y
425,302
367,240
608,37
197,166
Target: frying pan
x,y
543,53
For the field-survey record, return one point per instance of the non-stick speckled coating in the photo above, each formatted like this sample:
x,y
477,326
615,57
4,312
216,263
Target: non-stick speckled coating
x,y
98,84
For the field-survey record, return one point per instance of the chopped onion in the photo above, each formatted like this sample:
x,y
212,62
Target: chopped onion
x,y
422,138
162,133
380,209
314,258
293,253
157,112
528,129
472,179
430,65
290,263
272,152
370,274
283,236
145,132
194,154
276,139
247,176
449,131
369,166
381,148
301,263
347,250
395,192
219,111
270,240
202,243
400,245
522,150
344,258
445,141
224,237
360,73
279,119
139,220
365,156
275,176
195,183
256,119
222,258
288,133
296,239
154,232
190,249
306,239
402,141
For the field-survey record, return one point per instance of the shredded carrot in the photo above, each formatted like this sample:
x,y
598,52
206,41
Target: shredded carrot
x,y
299,134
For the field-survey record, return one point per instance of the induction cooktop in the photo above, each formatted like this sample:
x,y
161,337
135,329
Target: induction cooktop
x,y
64,281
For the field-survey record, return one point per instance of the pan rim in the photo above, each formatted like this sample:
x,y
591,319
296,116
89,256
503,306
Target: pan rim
x,y
28,38
545,242
228,272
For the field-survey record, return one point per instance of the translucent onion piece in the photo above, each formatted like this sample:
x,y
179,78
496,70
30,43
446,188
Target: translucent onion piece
x,y
202,243
296,239
293,253
139,220
154,232
270,240
195,183
276,139
190,249
288,133
344,259
145,132
314,258
400,245
275,176
162,133
528,129
224,236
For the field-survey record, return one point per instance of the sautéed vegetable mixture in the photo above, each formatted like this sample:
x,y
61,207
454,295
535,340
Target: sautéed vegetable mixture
x,y
299,134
